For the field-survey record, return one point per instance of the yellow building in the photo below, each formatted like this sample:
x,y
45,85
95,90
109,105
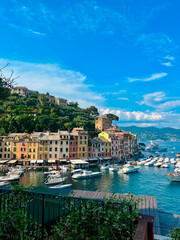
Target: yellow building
x,y
33,147
5,148
101,123
82,142
22,91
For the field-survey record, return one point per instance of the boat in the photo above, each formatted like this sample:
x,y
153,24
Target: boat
x,y
149,164
51,172
177,155
158,164
174,177
79,170
53,180
114,168
166,160
64,168
61,186
165,165
86,174
12,177
128,169
154,147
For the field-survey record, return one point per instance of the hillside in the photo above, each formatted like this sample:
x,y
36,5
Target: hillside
x,y
153,133
37,113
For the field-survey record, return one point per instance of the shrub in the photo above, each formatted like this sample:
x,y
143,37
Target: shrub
x,y
111,219
175,234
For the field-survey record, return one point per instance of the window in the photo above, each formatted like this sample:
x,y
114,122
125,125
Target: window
x,y
80,137
22,155
34,144
70,143
40,149
23,144
84,142
5,149
50,155
14,156
0,143
0,149
34,150
66,142
0,155
50,142
80,142
30,150
83,154
56,142
64,155
33,156
50,149
83,149
56,149
80,155
8,155
80,149
45,156
61,149
73,155
66,149
40,156
74,149
61,142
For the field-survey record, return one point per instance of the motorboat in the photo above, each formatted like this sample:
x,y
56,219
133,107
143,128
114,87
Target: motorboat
x,y
76,171
149,164
12,177
174,177
158,164
53,180
86,174
166,160
141,163
61,186
165,165
51,172
114,168
172,161
128,169
177,155
154,147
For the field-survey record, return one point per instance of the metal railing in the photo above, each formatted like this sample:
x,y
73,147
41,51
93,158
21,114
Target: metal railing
x,y
47,209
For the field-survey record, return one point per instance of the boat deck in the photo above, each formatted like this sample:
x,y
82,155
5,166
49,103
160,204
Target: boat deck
x,y
147,204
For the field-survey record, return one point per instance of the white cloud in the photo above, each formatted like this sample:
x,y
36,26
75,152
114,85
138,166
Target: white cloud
x,y
167,64
115,93
170,58
158,100
57,81
127,99
150,78
134,115
37,33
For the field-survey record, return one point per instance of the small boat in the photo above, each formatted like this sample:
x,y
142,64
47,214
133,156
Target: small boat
x,y
76,171
165,165
61,186
51,172
177,155
158,164
86,174
12,177
53,180
174,177
114,168
128,169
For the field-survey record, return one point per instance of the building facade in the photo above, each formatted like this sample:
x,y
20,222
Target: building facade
x,y
101,123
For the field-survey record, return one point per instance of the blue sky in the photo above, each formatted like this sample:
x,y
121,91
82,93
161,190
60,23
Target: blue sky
x,y
119,55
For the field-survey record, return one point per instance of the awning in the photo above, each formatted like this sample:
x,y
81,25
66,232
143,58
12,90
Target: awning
x,y
40,161
51,161
12,161
100,158
3,161
107,158
33,161
92,159
63,160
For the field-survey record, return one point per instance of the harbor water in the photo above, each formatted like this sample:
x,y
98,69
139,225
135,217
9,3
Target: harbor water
x,y
150,181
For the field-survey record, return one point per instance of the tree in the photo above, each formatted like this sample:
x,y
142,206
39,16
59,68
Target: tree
x,y
93,111
6,84
112,117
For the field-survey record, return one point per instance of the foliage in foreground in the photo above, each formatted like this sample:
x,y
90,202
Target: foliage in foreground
x,y
175,234
15,224
95,220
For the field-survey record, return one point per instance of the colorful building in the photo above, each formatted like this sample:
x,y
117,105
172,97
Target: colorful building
x,y
61,102
22,91
82,142
102,123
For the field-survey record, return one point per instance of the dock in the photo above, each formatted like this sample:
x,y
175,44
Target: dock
x,y
147,204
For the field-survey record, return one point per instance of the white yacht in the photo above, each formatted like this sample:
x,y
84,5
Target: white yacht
x,y
12,177
158,164
165,165
104,167
86,174
53,180
51,172
149,164
128,169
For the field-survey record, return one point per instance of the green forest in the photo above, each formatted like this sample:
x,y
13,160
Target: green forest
x,y
37,113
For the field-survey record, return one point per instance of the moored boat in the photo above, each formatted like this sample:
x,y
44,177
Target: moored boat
x,y
53,180
61,186
174,177
86,174
128,169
